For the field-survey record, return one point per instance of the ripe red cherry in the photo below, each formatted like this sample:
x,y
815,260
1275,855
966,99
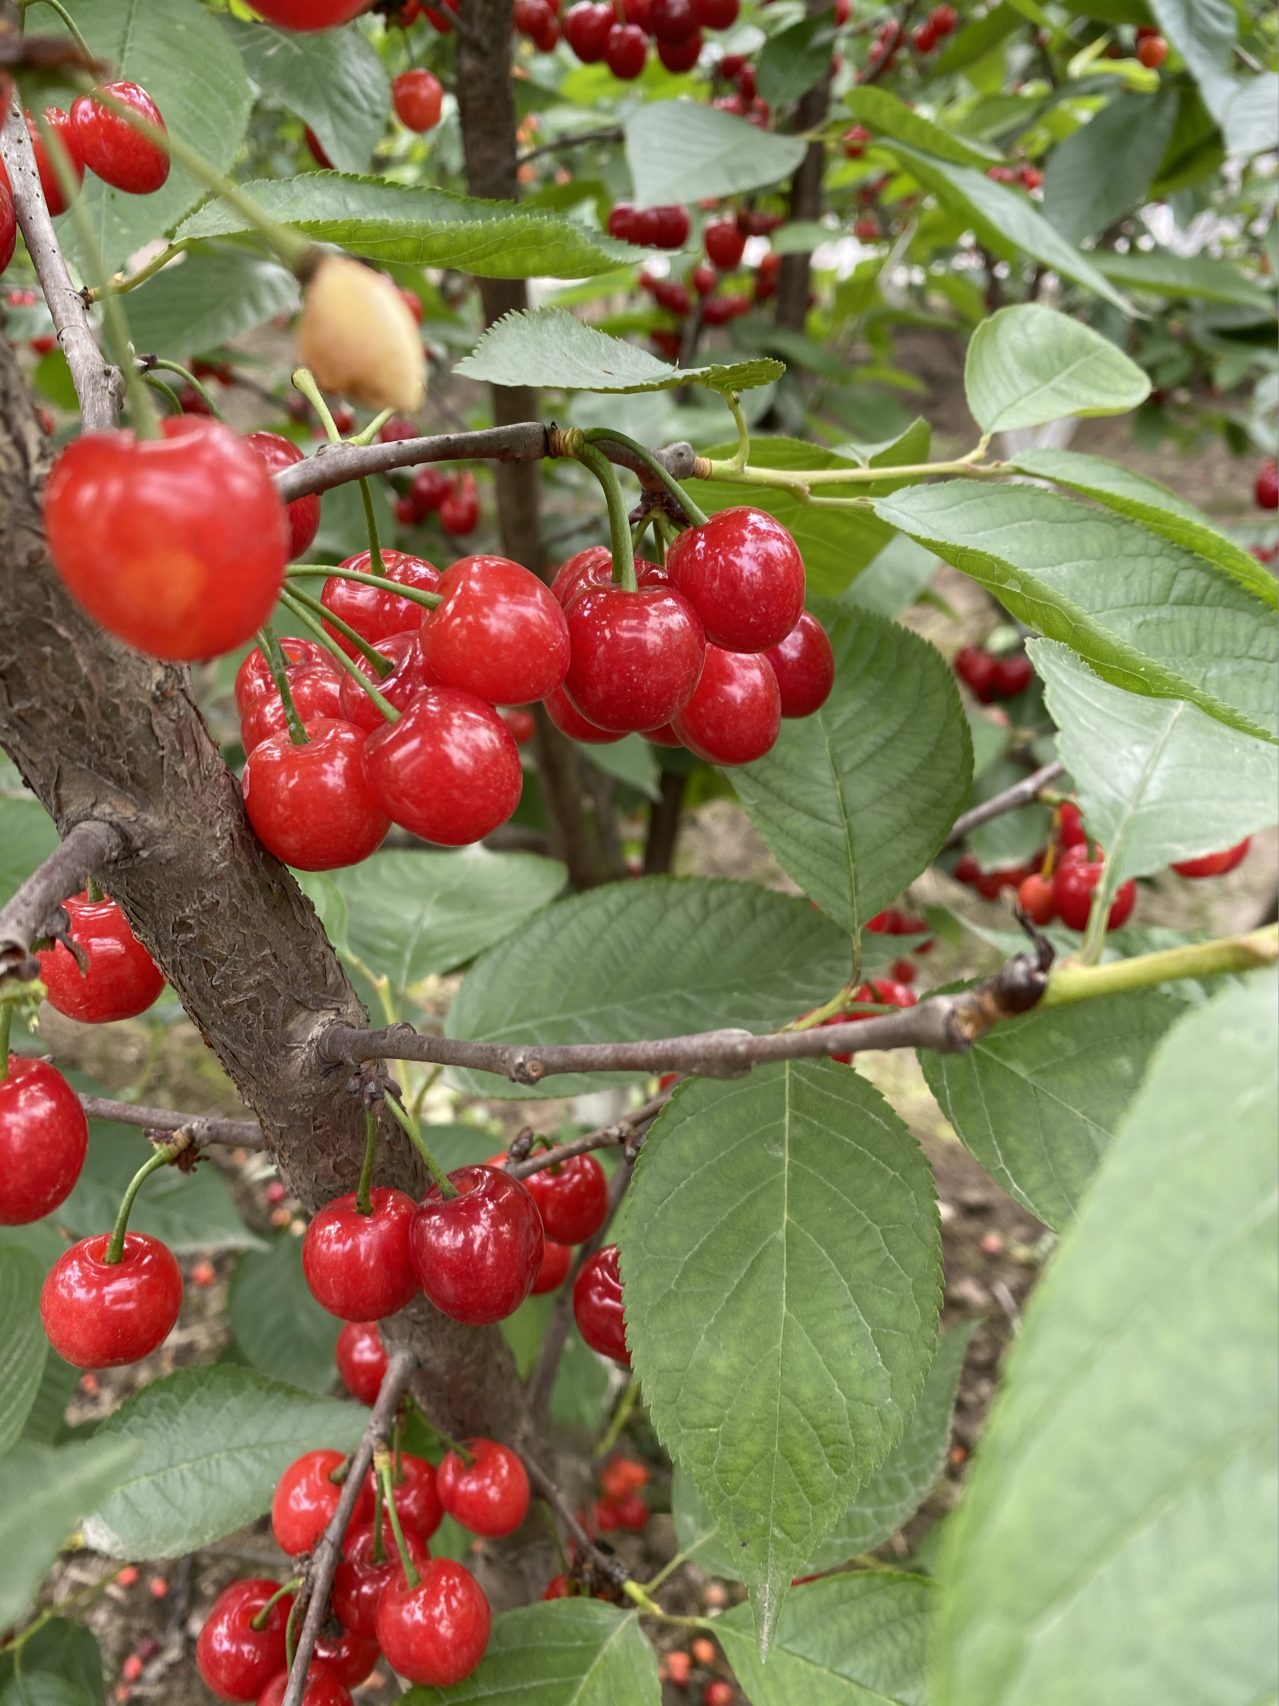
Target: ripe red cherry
x,y
587,28
449,770
102,1315
358,1583
488,1496
571,1197
943,19
1073,883
743,574
305,1499
1215,864
477,1254
304,513
417,97
672,20
361,1359
1011,676
594,567
1070,825
804,665
557,1259
522,723
44,1138
460,508
235,1660
50,184
254,674
357,1265
735,712
498,632
311,805
976,669
570,721
626,51
1266,488
372,612
417,1495
725,243
436,1632
111,147
717,14
122,980
428,488
348,1657
309,14
316,691
176,545
1152,51
322,1688
636,656
409,676
8,227
1035,898
664,227
597,1305
680,55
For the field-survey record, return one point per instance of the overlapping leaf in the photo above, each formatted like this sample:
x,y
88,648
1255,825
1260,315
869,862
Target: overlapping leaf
x,y
277,1323
1105,168
885,115
334,80
44,1492
684,151
23,1346
1028,364
212,296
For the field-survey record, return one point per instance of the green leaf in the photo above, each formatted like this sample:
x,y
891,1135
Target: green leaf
x,y
1106,167
1143,612
334,80
550,348
793,60
1038,1099
1204,33
855,801
653,957
894,579
204,301
1028,364
852,1640
420,227
32,1687
581,1386
1115,1542
43,1495
1250,117
630,760
782,1267
683,151
27,837
978,38
46,1422
61,1651
23,1345
277,1323
564,1652
1155,507
211,1444
1191,276
886,115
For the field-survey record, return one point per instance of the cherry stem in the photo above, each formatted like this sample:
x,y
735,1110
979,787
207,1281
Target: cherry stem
x,y
454,1445
619,525
367,434
741,456
6,1025
291,602
290,1637
93,890
277,663
304,381
375,544
366,649
654,464
621,1415
364,1190
69,21
259,1620
166,391
201,390
415,595
382,1463
446,1186
377,1554
164,1154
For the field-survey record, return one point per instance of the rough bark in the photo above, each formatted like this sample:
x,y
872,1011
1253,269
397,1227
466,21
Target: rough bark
x,y
805,197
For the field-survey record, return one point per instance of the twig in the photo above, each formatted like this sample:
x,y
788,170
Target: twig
x,y
36,909
607,1563
1023,793
609,133
622,1131
200,1128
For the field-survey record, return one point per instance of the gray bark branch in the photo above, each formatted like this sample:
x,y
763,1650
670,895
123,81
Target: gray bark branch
x,y
35,911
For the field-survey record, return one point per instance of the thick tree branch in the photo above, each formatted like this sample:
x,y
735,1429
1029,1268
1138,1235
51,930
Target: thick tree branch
x,y
200,1128
1023,793
36,909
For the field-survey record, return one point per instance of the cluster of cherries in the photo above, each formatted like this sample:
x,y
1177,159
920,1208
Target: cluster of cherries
x,y
991,677
454,498
725,244
620,1502
619,37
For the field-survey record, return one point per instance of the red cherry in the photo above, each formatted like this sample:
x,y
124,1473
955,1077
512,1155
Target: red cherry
x,y
746,81
621,1475
498,632
533,18
725,243
44,1138
903,971
397,429
924,36
8,227
890,992
976,669
571,1197
428,489
374,613
735,712
743,574
436,1632
625,225
122,980
587,28
1152,51
322,1687
401,687
448,770
672,20
557,1588
804,665
703,279
305,1499
254,674
460,508
176,545
477,1254
1070,825
304,513
351,1658
111,147
604,1515
1035,898
1011,677
1073,883
943,19
718,14
358,1583
667,227
357,1265
636,656
597,1305
1266,487
309,14
718,1693
417,1495
1215,864
50,185
570,721
489,1496
626,51
670,294
417,97
316,690
311,805
1031,177
719,310
855,141
631,1512
235,1660
361,1359
522,723
680,56
557,1259
100,1315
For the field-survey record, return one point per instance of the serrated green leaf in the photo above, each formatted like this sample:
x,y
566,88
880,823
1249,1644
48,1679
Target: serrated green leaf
x,y
681,151
1192,276
855,801
334,80
43,1495
1145,613
894,579
277,1323
46,1422
23,1346
782,1267
885,115
59,1649
1105,168
792,61
207,299
1115,1542
211,1444
1029,364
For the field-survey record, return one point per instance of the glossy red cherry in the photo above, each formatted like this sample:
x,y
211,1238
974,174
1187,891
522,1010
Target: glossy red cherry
x,y
804,665
311,805
1266,487
976,669
477,1254
557,1259
1012,676
1035,898
635,656
361,1358
316,690
102,1315
460,508
597,1305
417,97
571,1197
594,568
428,489
522,723
1073,883
1070,825
357,1265
417,1495
490,1495
50,184
44,1138
358,1582
322,1688
682,55
743,574
409,676
735,712
570,721
587,28
1215,864
449,770
111,147
498,632
944,19
305,1499
626,51
372,612
717,14
176,545
725,243
672,20
434,1633
122,980
304,513
351,1658
309,14
254,674
235,1660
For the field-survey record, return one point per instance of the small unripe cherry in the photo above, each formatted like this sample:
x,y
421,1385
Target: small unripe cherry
x,y
359,339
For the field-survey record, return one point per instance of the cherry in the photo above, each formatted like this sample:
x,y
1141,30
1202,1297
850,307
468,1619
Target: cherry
x,y
102,1315
626,51
631,1512
571,1197
357,1265
428,489
176,545
521,722
1215,864
1152,51
122,980
316,148
597,1305
8,227
110,146
435,1632
50,184
235,1660
884,992
1073,883
976,669
725,243
309,14
408,678
703,279
316,690
358,1583
350,1657
417,97
531,17
1070,825
622,1475
743,574
1266,488
498,632
488,1496
254,675
665,227
944,19
670,294
719,310
855,141
1012,675
1031,177
311,805
44,1138
305,1499
557,1588
718,14
322,1688
397,429
557,1259
672,20
477,1254
449,770
924,37
1035,898
636,656
746,81
718,1693
804,665
570,721
681,55
587,28
304,513
361,1359
374,613
460,508
417,1495
735,712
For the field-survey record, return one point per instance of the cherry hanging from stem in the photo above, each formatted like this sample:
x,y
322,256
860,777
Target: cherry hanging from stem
x,y
384,705
164,1154
277,663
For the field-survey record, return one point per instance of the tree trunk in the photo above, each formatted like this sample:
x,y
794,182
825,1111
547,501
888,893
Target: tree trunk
x,y
805,197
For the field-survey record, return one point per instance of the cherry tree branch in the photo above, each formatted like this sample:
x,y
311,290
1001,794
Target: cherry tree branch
x,y
622,1132
200,1128
1023,793
608,1564
36,909
609,133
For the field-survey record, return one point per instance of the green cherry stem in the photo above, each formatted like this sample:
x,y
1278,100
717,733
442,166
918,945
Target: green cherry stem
x,y
201,390
277,663
377,1554
317,607
352,668
290,1637
456,1445
259,1620
651,462
367,434
741,456
304,381
164,1154
619,525
382,1463
621,1415
415,595
6,1025
447,1188
166,391
370,521
364,1190
68,20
